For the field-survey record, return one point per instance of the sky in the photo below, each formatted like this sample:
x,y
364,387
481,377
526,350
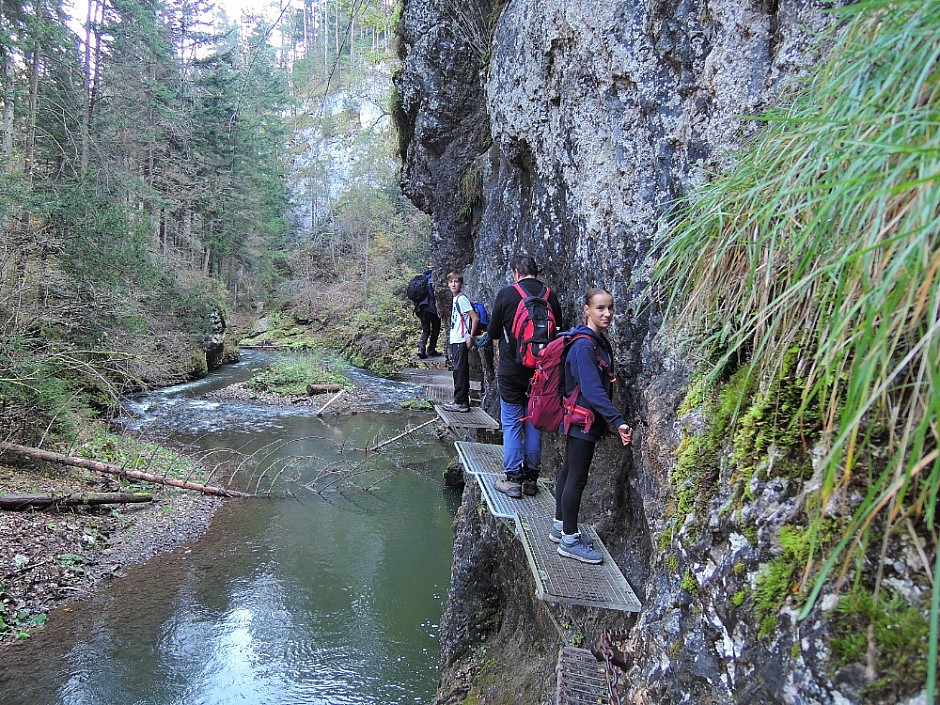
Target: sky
x,y
78,9
234,8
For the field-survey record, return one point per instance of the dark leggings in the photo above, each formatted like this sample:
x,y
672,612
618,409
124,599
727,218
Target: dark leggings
x,y
571,481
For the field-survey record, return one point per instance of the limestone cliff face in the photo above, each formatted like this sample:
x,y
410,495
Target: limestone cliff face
x,y
567,135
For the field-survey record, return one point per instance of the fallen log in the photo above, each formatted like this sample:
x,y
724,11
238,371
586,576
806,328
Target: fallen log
x,y
313,389
16,502
111,469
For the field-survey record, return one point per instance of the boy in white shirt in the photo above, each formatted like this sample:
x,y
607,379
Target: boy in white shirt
x,y
463,326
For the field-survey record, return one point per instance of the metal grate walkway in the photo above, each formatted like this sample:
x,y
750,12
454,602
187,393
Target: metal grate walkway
x,y
475,418
558,579
569,581
480,457
581,679
444,391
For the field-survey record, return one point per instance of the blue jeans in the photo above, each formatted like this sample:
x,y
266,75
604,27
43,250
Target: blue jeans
x,y
522,442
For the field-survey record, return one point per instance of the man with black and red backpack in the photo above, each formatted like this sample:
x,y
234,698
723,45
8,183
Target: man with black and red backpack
x,y
524,318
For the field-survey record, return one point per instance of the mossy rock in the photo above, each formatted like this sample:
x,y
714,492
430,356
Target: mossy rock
x,y
230,352
199,364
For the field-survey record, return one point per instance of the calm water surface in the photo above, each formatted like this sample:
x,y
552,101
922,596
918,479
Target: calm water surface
x,y
330,598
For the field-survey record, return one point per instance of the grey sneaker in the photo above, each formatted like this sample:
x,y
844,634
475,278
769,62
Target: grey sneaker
x,y
555,534
459,408
510,488
575,547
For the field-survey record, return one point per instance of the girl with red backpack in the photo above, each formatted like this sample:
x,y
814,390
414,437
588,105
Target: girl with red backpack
x,y
589,412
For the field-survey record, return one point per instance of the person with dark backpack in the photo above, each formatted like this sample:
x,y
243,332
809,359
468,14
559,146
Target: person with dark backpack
x,y
421,292
587,414
520,333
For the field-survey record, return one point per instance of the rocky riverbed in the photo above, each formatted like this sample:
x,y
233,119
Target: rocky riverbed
x,y
352,401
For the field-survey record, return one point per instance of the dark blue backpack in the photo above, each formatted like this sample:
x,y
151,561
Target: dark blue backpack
x,y
483,314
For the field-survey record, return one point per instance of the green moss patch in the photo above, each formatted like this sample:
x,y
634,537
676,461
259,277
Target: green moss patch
x,y
292,375
899,641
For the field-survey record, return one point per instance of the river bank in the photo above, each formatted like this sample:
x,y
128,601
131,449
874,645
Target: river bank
x,y
51,558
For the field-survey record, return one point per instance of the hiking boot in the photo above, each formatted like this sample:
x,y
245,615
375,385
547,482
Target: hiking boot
x,y
422,355
530,487
510,488
435,353
459,408
575,547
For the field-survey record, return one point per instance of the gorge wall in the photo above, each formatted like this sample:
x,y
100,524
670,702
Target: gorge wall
x,y
566,129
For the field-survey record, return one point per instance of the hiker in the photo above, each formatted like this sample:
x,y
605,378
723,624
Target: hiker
x,y
463,326
522,442
587,417
421,292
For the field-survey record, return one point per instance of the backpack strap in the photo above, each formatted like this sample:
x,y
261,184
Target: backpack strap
x,y
522,296
463,318
574,413
522,293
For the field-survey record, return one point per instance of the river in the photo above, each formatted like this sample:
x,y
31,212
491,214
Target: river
x,y
329,598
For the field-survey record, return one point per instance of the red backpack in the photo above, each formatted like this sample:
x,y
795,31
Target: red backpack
x,y
533,326
548,406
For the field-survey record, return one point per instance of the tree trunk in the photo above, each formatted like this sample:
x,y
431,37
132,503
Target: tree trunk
x,y
325,35
33,109
7,58
90,17
17,502
109,469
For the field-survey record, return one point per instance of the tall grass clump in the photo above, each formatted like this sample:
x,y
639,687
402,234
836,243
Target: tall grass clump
x,y
825,236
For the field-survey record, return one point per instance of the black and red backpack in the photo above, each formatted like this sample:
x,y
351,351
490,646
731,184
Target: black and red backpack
x,y
533,326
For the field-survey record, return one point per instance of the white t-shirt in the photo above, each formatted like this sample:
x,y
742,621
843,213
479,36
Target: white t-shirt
x,y
460,321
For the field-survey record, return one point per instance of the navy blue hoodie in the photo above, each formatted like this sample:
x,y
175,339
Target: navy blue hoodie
x,y
581,366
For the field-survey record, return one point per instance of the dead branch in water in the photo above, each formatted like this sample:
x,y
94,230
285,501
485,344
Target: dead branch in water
x,y
340,393
404,433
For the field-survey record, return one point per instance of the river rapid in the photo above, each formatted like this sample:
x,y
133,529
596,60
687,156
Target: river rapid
x,y
332,597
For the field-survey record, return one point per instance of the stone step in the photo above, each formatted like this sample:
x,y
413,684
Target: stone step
x,y
558,579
